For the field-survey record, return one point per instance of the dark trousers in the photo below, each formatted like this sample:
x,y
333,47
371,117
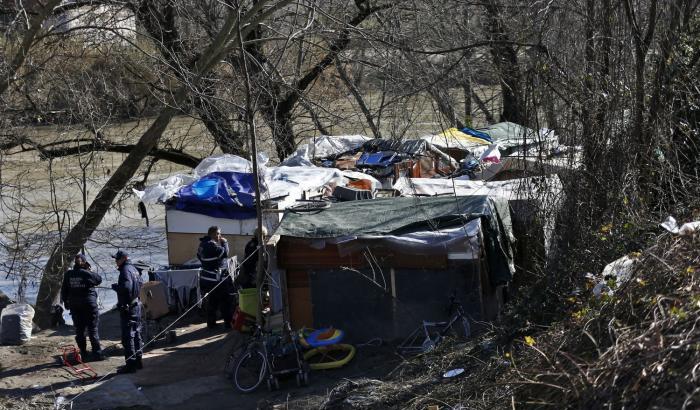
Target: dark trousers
x,y
86,317
131,333
222,299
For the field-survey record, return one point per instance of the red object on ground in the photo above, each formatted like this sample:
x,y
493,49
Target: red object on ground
x,y
242,320
81,370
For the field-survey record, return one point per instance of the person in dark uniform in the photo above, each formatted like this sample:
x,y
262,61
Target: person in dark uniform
x,y
247,277
79,296
213,252
128,287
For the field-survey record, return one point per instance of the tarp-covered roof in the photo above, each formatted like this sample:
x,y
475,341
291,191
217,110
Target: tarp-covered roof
x,y
219,194
397,216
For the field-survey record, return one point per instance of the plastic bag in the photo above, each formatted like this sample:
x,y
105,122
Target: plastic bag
x,y
688,229
16,324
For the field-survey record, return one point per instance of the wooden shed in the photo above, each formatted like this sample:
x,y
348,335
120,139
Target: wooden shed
x,y
377,268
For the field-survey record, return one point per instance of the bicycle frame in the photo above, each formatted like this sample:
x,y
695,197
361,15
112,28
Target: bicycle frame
x,y
429,334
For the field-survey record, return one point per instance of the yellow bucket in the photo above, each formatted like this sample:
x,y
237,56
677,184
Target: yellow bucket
x,y
248,301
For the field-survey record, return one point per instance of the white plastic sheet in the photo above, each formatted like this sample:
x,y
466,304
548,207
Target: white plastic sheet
x,y
687,229
619,270
16,324
164,189
227,162
524,188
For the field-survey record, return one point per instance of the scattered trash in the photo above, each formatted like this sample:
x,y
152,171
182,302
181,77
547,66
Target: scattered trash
x,y
602,288
687,229
453,373
620,269
60,403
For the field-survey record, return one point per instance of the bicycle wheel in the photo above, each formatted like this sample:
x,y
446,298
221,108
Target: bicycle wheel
x,y
458,327
250,370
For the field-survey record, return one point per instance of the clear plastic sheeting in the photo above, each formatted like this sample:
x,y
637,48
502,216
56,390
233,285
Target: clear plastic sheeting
x,y
461,240
164,189
228,163
323,147
293,181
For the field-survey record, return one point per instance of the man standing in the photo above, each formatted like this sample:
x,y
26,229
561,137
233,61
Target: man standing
x,y
212,253
128,287
247,278
79,296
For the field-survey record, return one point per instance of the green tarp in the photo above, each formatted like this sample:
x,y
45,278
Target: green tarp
x,y
397,216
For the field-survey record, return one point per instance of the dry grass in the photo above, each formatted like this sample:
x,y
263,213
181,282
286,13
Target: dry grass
x,y
637,349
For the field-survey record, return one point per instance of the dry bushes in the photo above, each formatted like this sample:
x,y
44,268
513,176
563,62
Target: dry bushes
x,y
639,348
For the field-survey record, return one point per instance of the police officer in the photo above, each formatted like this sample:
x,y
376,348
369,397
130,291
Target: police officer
x,y
128,287
212,253
79,296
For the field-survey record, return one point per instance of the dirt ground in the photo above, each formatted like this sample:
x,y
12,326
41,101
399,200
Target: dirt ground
x,y
185,374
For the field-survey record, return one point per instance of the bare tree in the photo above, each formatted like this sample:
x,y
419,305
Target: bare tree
x,y
237,20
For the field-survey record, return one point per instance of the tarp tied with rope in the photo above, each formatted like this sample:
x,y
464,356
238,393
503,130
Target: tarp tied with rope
x,y
412,223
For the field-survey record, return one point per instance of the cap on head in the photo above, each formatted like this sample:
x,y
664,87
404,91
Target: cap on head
x,y
81,256
120,254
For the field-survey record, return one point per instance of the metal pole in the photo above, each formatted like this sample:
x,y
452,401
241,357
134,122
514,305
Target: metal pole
x,y
250,121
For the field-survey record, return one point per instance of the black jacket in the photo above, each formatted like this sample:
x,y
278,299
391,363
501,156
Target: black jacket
x,y
128,285
78,288
213,257
247,276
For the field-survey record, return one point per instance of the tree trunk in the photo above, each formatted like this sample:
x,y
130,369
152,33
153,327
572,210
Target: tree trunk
x,y
505,59
63,252
358,97
467,88
78,235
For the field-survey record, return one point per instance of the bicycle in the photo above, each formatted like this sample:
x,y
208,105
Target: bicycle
x,y
263,358
429,334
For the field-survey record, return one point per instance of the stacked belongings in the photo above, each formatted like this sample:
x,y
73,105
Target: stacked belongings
x,y
387,160
379,156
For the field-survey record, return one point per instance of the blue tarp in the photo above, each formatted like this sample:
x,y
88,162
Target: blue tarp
x,y
219,194
478,134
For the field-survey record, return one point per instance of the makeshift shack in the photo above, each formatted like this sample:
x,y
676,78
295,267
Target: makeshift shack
x,y
377,268
221,192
